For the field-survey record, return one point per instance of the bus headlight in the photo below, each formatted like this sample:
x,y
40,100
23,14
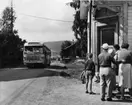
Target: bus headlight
x,y
24,57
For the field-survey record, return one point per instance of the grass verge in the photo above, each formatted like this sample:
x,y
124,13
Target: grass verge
x,y
74,70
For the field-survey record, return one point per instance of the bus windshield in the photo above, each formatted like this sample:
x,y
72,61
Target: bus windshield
x,y
34,49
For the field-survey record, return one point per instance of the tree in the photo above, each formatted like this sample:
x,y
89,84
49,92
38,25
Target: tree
x,y
64,45
80,28
8,18
10,42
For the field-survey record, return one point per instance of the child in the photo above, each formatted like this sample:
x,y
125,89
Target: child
x,y
89,73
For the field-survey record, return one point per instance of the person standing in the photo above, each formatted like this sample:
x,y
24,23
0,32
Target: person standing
x,y
117,50
113,66
104,61
125,68
116,66
89,73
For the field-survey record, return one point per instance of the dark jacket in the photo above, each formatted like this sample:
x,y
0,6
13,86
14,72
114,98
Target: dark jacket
x,y
90,66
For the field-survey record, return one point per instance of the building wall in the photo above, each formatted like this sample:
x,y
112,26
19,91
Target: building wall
x,y
124,27
130,26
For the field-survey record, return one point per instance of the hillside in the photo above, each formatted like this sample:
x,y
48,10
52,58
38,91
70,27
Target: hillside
x,y
54,46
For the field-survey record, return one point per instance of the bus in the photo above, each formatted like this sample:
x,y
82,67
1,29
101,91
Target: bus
x,y
35,53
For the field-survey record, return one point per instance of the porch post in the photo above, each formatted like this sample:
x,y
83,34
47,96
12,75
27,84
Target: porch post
x,y
121,38
94,40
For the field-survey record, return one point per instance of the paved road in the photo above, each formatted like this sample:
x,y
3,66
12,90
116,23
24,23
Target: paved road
x,y
15,81
46,87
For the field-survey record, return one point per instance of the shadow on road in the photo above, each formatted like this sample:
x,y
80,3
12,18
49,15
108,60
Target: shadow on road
x,y
123,101
57,67
12,75
49,67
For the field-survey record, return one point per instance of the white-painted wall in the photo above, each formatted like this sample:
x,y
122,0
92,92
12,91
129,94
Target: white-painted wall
x,y
130,26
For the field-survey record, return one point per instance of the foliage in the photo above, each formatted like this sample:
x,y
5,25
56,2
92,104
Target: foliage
x,y
8,18
10,43
64,45
80,29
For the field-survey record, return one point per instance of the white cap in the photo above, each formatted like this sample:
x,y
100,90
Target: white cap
x,y
105,46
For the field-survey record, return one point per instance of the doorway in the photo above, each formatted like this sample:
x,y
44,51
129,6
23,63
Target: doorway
x,y
106,34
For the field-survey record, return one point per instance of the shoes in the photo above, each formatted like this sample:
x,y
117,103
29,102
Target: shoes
x,y
102,99
86,92
109,99
91,93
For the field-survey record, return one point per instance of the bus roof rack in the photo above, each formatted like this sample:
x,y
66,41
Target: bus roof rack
x,y
33,44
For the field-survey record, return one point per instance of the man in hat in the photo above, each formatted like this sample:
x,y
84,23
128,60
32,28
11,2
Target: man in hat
x,y
104,60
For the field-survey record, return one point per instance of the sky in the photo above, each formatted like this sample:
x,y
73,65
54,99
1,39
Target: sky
x,y
38,29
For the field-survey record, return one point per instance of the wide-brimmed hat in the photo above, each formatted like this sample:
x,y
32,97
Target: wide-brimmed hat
x,y
105,46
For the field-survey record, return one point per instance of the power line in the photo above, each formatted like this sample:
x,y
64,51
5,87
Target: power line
x,y
41,17
45,18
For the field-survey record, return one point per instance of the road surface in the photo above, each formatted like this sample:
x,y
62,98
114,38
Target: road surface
x,y
24,86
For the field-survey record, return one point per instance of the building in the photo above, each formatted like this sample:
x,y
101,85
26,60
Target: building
x,y
111,23
70,51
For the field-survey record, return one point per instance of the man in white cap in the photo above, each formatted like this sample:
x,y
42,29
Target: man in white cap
x,y
104,60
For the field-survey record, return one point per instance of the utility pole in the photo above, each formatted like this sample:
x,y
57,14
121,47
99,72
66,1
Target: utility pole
x,y
89,27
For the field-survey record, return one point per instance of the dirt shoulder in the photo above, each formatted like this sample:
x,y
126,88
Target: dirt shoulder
x,y
75,69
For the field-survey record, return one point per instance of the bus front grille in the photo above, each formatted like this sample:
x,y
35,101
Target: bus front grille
x,y
29,58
